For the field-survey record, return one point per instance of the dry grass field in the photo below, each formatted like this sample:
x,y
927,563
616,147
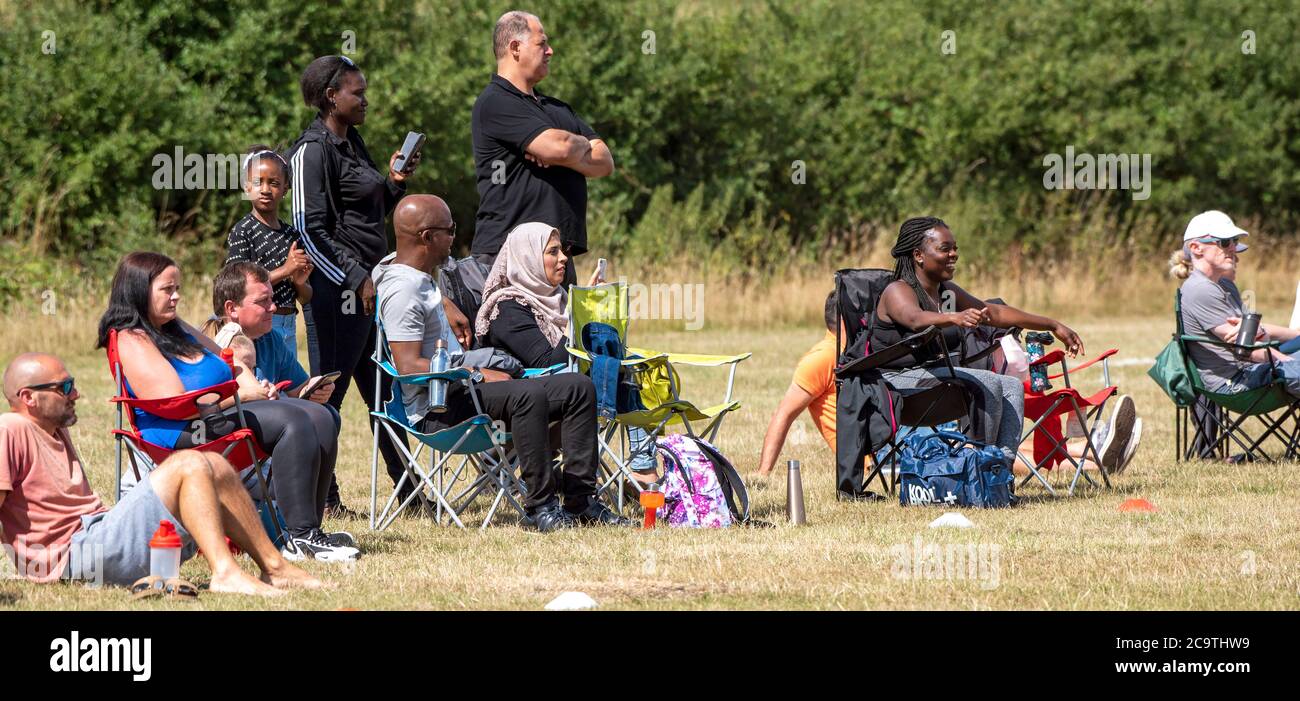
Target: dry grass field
x,y
1224,537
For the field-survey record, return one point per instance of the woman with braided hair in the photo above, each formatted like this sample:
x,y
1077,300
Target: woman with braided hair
x,y
922,295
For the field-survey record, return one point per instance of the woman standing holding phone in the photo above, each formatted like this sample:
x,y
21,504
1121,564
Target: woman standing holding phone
x,y
340,200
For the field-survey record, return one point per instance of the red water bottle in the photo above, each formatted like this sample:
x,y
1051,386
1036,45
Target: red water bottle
x,y
228,356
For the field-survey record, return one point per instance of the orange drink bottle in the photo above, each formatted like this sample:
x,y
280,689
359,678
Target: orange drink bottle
x,y
651,500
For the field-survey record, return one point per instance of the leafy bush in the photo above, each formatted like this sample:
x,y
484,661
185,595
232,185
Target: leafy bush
x,y
706,129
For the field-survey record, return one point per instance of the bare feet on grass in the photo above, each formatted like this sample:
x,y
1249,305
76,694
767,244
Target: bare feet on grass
x,y
236,581
287,576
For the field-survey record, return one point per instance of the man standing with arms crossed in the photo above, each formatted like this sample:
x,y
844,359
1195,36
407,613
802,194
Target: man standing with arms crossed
x,y
532,153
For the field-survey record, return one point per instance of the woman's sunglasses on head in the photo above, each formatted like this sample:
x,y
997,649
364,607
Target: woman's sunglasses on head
x,y
64,387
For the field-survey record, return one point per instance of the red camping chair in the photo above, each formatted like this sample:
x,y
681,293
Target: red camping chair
x,y
239,447
1048,409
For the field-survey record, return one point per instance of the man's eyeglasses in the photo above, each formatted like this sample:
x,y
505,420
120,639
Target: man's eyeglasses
x,y
1225,244
449,229
64,387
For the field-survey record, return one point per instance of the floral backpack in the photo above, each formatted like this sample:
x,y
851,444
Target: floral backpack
x,y
701,487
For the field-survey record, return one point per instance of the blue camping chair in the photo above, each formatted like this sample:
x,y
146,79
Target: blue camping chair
x,y
478,441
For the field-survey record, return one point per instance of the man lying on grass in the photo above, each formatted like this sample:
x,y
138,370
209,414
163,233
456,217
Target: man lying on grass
x,y
56,528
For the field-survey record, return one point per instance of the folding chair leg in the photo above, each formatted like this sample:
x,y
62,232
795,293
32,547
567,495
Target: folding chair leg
x,y
419,480
392,498
1083,420
374,472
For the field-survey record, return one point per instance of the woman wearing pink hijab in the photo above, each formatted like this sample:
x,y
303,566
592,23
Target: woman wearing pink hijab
x,y
523,313
523,303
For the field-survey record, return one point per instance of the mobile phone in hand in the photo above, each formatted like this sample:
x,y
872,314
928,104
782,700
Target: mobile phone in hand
x,y
414,140
601,265
315,383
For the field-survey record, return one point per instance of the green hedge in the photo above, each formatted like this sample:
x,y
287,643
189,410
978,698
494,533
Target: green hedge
x,y
704,130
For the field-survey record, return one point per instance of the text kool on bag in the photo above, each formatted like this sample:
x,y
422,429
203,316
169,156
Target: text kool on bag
x,y
939,468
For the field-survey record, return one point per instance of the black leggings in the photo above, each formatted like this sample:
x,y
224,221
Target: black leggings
x,y
527,407
303,440
341,336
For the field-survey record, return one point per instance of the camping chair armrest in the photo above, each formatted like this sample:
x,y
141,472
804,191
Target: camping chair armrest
x,y
873,360
632,363
1084,365
1229,344
659,358
180,407
696,359
424,378
542,372
1055,356
860,365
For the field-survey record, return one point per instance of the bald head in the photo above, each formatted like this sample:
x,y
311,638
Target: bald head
x,y
30,369
416,213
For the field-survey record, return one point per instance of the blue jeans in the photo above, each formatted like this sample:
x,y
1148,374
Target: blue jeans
x,y
641,450
1258,375
287,326
641,445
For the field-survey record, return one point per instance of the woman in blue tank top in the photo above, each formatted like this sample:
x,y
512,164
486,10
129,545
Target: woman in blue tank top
x,y
209,370
162,356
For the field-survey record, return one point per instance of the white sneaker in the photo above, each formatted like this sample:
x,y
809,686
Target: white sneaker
x,y
1120,428
1131,448
315,545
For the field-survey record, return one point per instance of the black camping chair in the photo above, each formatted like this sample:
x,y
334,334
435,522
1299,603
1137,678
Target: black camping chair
x,y
869,410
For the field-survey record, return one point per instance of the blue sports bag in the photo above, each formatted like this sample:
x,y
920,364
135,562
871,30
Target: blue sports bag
x,y
941,469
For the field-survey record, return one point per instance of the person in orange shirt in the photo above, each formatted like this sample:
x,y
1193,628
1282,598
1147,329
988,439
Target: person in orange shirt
x,y
813,388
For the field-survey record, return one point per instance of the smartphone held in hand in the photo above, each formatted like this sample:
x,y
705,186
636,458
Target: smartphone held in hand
x,y
414,140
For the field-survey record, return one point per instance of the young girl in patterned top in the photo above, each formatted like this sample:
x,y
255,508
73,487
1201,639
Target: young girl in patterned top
x,y
260,237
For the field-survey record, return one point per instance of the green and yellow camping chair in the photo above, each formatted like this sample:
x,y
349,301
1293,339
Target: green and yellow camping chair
x,y
657,383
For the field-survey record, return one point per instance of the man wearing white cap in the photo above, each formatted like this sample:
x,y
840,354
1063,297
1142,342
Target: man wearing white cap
x,y
1212,307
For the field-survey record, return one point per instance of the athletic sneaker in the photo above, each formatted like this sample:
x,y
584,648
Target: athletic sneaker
x,y
1119,429
1131,448
340,538
315,545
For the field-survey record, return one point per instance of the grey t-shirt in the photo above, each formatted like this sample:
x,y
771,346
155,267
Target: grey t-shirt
x,y
410,308
1207,304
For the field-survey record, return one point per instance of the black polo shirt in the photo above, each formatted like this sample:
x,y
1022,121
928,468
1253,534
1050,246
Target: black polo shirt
x,y
504,122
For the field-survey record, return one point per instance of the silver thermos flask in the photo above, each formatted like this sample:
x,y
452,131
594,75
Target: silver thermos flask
x,y
794,494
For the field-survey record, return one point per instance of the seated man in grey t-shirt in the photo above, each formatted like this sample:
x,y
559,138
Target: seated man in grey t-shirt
x,y
1212,307
410,307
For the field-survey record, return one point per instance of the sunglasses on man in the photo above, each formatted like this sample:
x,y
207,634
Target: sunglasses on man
x,y
1225,244
451,230
64,387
